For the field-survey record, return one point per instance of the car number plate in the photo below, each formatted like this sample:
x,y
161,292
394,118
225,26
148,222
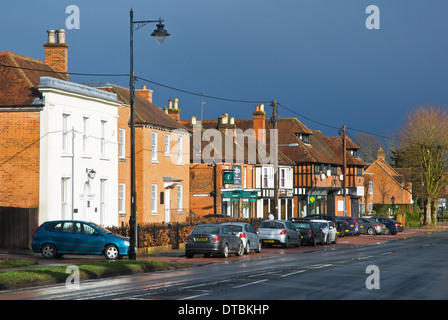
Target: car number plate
x,y
201,239
301,237
269,241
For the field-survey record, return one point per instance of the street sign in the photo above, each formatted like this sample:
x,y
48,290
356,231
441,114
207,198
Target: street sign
x,y
312,199
228,177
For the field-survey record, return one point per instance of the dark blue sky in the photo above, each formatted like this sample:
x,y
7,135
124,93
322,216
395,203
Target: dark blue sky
x,y
314,56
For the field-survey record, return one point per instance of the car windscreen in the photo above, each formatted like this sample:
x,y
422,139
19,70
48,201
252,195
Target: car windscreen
x,y
322,224
301,225
235,228
272,225
206,229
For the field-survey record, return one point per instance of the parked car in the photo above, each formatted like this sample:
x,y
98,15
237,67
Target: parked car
x,y
248,234
392,226
278,232
341,225
309,231
328,229
213,239
352,225
56,238
371,226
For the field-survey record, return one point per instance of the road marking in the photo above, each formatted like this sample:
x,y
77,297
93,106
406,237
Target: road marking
x,y
366,257
250,283
318,266
192,297
290,274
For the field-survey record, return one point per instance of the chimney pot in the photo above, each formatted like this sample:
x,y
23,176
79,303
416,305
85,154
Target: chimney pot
x,y
51,36
257,108
193,120
61,36
261,107
170,104
176,103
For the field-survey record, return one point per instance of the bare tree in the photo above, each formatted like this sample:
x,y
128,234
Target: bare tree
x,y
424,148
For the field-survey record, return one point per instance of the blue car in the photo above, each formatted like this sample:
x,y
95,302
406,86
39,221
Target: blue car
x,y
56,238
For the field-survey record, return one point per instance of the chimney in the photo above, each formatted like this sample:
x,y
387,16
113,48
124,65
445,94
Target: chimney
x,y
56,52
174,112
381,154
260,123
145,93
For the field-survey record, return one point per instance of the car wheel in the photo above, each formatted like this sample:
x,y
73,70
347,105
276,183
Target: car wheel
x,y
258,250
240,251
387,231
189,254
225,251
247,249
298,243
335,239
49,251
111,252
314,241
371,231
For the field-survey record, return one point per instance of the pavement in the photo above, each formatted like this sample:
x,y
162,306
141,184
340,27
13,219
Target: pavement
x,y
178,255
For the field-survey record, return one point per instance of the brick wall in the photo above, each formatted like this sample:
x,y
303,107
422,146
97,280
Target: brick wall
x,y
19,159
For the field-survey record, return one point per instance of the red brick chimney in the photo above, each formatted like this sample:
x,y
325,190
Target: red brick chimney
x,y
259,123
174,111
145,93
56,52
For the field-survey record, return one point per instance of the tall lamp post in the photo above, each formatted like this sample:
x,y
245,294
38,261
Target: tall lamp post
x,y
160,33
393,205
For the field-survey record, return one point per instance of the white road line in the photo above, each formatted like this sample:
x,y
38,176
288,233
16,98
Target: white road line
x,y
318,266
292,273
249,284
192,297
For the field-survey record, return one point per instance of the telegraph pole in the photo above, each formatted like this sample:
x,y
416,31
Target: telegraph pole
x,y
275,151
344,170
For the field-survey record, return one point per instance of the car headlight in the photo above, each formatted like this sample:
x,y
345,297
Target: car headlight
x,y
127,243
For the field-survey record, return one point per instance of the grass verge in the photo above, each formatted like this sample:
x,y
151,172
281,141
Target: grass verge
x,y
16,279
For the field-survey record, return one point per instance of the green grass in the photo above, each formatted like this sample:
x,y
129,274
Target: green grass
x,y
8,263
95,270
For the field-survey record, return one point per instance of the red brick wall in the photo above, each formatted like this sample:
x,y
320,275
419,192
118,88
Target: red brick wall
x,y
19,159
56,56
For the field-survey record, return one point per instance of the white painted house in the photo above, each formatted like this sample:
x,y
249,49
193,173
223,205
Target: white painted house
x,y
78,153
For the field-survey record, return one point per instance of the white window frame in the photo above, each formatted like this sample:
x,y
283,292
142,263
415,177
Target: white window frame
x,y
154,146
154,198
167,145
179,198
122,198
122,144
103,129
85,135
180,159
64,198
65,131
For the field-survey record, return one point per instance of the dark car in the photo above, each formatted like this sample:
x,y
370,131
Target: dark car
x,y
213,239
309,231
352,226
56,238
393,226
340,224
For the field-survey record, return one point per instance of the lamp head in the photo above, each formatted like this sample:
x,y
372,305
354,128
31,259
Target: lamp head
x,y
160,33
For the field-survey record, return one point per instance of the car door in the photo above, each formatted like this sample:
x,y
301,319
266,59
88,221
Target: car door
x,y
294,235
253,236
89,240
230,238
63,237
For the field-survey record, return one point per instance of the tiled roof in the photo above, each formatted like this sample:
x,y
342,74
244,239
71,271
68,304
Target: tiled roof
x,y
18,85
145,111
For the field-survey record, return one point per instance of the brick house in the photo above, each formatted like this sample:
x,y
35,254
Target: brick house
x,y
55,138
384,182
162,159
318,166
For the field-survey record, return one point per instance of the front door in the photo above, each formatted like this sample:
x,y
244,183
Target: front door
x,y
355,207
167,201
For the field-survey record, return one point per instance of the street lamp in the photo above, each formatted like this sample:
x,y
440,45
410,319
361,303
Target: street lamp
x,y
160,33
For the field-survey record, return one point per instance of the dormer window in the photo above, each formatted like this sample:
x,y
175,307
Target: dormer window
x,y
304,137
353,152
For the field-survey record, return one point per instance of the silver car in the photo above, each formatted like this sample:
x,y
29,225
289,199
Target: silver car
x,y
278,232
247,233
329,230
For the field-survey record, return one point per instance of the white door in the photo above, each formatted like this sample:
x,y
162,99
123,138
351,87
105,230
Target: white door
x,y
167,201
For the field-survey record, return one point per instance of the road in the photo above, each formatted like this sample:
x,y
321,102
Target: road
x,y
413,268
